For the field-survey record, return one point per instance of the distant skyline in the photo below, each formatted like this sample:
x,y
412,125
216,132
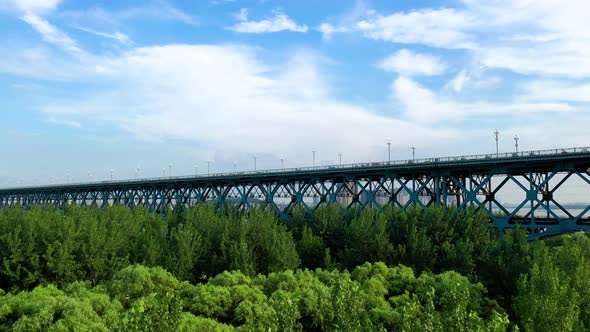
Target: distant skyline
x,y
89,87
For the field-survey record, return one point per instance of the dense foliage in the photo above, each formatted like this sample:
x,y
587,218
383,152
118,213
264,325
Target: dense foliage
x,y
372,297
127,269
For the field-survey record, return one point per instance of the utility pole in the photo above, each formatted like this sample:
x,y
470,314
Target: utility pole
x,y
413,152
516,142
313,153
340,157
496,133
389,151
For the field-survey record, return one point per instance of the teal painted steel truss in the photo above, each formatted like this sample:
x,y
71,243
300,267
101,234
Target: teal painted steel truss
x,y
532,181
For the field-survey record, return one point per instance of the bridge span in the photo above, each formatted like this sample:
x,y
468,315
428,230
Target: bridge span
x,y
535,180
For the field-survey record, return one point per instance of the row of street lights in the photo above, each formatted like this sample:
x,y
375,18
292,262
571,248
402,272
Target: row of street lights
x,y
138,170
496,136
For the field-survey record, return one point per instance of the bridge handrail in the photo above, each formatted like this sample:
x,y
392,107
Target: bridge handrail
x,y
423,161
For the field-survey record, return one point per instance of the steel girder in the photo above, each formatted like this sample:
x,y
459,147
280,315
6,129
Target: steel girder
x,y
536,189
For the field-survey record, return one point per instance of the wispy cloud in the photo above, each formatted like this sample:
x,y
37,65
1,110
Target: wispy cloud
x,y
279,22
118,36
64,122
160,10
408,63
51,34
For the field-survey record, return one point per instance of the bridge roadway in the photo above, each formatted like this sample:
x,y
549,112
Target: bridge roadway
x,y
456,182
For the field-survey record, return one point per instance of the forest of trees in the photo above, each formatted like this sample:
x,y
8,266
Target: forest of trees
x,y
201,269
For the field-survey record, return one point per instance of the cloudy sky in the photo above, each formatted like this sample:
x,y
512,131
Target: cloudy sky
x,y
120,85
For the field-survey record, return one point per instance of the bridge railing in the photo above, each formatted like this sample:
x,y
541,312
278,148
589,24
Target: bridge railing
x,y
417,162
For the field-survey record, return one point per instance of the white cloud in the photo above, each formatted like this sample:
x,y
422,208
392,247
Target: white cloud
x,y
543,37
226,99
563,58
328,30
436,27
30,6
279,22
242,15
424,106
408,63
545,90
51,34
459,80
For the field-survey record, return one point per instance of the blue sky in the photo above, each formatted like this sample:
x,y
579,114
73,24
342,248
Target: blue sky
x,y
119,85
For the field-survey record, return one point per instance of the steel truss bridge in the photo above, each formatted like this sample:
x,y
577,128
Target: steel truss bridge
x,y
533,178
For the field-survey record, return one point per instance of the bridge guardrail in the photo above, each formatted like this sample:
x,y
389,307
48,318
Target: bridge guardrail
x,y
422,161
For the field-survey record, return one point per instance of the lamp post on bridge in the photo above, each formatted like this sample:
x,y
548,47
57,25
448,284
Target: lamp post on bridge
x,y
496,133
235,167
196,170
208,167
313,153
516,142
413,152
388,151
340,158
111,175
170,168
282,164
254,163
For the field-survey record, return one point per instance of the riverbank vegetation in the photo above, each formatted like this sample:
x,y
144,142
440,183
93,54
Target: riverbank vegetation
x,y
199,269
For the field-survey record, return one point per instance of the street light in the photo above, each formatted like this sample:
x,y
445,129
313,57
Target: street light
x,y
413,152
170,167
340,158
254,163
111,175
388,151
516,142
496,133
196,170
208,167
313,153
282,164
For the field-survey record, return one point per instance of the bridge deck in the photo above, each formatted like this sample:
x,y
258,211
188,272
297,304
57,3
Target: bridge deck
x,y
513,163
